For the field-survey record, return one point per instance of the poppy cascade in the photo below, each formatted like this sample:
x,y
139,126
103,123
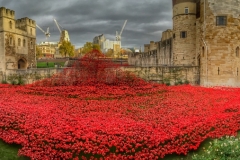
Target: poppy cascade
x,y
94,116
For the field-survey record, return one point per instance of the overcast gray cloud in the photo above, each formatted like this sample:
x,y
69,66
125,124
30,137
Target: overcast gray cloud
x,y
85,19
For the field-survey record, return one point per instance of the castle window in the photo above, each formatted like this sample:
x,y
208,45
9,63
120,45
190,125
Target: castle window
x,y
19,42
221,20
237,52
203,51
186,10
10,41
174,35
31,31
31,45
183,34
24,42
198,9
10,24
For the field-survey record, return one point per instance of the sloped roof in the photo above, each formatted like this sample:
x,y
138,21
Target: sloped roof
x,y
127,50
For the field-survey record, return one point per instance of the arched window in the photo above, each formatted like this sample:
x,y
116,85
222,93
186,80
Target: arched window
x,y
31,31
24,42
10,24
237,52
203,51
19,42
10,41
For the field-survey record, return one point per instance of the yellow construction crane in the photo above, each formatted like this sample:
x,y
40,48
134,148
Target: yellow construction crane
x,y
64,36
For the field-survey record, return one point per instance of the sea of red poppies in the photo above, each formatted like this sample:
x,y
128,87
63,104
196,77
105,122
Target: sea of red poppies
x,y
134,120
118,122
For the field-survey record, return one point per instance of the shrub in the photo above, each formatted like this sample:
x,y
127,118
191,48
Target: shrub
x,y
168,83
225,148
4,82
186,81
13,82
178,82
16,79
20,80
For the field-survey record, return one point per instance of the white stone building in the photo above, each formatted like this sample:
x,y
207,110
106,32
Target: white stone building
x,y
106,44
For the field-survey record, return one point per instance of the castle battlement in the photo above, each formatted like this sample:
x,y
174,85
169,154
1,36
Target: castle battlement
x,y
167,34
25,21
175,2
18,38
4,12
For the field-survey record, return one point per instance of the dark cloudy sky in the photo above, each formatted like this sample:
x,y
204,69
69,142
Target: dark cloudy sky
x,y
85,19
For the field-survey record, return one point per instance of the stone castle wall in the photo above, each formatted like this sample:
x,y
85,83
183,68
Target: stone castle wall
x,y
220,64
214,48
161,74
168,75
229,7
160,55
165,55
28,76
184,49
18,38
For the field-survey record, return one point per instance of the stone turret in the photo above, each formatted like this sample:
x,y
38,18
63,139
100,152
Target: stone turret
x,y
184,32
7,13
17,41
27,25
7,18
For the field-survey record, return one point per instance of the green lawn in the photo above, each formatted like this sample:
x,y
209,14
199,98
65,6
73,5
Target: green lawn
x,y
9,152
49,64
200,150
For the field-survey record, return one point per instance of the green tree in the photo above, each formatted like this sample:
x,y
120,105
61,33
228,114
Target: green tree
x,y
89,46
109,53
38,52
66,48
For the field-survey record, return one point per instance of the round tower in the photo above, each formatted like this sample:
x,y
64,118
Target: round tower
x,y
184,32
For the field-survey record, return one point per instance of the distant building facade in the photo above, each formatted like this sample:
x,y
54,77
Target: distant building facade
x,y
205,34
64,36
99,40
49,49
17,44
107,45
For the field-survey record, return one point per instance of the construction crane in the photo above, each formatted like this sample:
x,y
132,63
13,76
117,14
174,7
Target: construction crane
x,y
47,33
118,36
63,33
58,25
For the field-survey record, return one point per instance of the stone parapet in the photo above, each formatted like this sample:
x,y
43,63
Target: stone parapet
x,y
4,12
167,74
